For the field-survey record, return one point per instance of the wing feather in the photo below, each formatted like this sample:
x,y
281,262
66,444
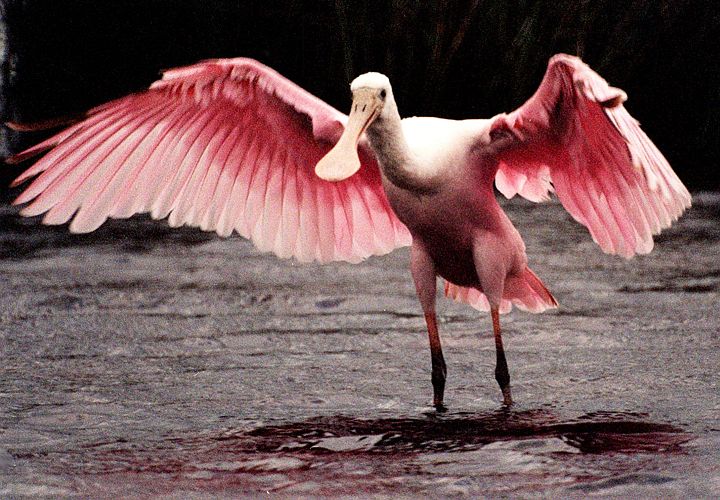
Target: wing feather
x,y
254,195
361,218
68,190
208,198
326,225
224,145
135,196
120,185
215,218
60,162
167,183
94,210
260,201
199,155
210,164
308,239
234,208
576,134
291,212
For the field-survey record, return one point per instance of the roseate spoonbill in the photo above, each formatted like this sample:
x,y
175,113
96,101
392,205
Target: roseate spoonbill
x,y
232,145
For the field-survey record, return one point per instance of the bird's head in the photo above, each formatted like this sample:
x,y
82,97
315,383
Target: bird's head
x,y
371,93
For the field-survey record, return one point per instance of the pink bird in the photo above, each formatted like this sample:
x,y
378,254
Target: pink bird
x,y
231,145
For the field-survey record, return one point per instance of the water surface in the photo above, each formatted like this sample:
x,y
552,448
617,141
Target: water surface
x,y
141,360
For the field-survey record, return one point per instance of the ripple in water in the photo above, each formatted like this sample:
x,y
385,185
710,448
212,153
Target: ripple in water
x,y
463,452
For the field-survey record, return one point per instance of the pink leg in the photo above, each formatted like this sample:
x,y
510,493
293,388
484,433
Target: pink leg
x,y
491,273
501,368
423,272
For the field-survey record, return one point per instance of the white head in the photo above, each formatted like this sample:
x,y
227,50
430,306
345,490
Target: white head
x,y
370,80
371,93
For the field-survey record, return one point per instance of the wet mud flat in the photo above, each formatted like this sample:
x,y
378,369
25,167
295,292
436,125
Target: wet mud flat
x,y
142,360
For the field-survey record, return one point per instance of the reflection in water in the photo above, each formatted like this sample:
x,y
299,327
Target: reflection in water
x,y
501,452
324,439
590,433
461,453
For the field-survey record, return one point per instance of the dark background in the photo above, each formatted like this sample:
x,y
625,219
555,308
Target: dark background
x,y
452,59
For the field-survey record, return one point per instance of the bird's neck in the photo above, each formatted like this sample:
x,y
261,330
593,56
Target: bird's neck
x,y
393,153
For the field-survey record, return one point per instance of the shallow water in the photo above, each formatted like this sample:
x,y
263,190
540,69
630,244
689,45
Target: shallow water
x,y
141,360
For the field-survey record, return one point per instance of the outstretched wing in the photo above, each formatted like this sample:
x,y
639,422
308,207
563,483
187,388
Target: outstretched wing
x,y
574,135
224,145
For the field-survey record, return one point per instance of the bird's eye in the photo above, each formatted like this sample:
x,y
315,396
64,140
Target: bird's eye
x,y
383,93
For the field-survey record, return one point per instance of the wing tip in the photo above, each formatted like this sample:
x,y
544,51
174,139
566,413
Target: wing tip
x,y
80,226
27,154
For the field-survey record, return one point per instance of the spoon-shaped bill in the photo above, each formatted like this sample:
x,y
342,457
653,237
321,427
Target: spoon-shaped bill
x,y
342,161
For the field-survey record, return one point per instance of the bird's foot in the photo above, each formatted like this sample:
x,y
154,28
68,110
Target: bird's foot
x,y
438,382
439,407
507,396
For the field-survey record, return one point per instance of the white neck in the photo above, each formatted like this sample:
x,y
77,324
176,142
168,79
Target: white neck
x,y
394,156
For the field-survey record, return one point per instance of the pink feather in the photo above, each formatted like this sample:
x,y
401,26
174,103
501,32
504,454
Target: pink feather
x,y
224,144
575,133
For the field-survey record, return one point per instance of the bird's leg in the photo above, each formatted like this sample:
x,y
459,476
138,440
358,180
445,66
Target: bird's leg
x,y
439,370
491,274
423,272
501,368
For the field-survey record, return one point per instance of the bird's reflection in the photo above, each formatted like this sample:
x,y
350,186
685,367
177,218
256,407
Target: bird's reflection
x,y
340,437
594,433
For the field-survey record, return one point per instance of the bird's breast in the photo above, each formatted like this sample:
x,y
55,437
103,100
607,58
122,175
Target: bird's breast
x,y
458,204
451,221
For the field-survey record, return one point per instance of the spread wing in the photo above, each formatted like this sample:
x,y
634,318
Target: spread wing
x,y
224,145
574,135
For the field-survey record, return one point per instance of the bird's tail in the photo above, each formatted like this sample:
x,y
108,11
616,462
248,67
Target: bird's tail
x,y
526,291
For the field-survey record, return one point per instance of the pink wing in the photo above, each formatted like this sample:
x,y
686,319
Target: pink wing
x,y
574,135
224,145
